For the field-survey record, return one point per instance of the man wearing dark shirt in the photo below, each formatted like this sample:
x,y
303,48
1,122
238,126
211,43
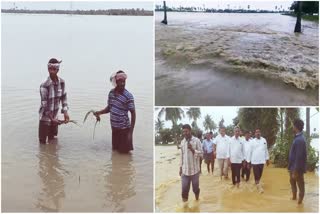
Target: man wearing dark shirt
x,y
297,161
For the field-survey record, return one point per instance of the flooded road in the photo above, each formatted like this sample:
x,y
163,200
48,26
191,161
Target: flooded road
x,y
75,173
235,59
220,196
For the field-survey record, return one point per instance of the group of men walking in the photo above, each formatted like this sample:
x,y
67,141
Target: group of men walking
x,y
241,153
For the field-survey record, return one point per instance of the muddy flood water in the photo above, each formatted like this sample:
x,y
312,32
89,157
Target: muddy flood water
x,y
75,173
235,59
220,196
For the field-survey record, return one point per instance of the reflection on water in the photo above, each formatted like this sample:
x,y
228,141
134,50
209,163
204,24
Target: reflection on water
x,y
119,180
221,196
51,173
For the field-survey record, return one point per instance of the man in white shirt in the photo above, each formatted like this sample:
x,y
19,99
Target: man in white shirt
x,y
258,157
207,147
222,143
236,156
191,151
246,167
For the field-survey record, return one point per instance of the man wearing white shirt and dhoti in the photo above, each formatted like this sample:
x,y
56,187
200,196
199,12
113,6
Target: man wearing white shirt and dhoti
x,y
222,143
191,152
246,167
259,156
236,156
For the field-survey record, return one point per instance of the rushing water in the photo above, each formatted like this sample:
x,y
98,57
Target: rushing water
x,y
76,173
235,59
220,196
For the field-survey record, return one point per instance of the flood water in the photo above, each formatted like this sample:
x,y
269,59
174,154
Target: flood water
x,y
235,59
220,196
75,173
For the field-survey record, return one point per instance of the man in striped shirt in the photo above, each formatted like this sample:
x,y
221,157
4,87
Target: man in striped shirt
x,y
120,101
191,152
52,93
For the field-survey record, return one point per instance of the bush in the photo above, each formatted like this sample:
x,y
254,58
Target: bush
x,y
280,155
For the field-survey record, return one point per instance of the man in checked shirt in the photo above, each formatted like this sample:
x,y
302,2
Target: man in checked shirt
x,y
52,93
191,152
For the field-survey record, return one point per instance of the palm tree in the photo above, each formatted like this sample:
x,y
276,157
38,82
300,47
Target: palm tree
x,y
159,125
194,114
172,114
164,21
209,123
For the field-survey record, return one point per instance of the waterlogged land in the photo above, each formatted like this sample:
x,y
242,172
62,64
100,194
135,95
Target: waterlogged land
x,y
235,59
110,12
220,196
75,173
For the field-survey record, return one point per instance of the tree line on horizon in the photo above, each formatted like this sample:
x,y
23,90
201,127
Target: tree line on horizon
x,y
276,125
115,12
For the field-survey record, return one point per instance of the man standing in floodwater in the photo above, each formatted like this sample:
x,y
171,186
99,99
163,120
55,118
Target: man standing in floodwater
x,y
258,157
191,151
236,156
207,147
120,101
222,144
52,93
246,167
298,161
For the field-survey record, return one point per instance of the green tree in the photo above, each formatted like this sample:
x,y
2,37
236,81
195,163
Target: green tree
x,y
166,136
176,133
263,118
171,114
159,125
194,114
209,123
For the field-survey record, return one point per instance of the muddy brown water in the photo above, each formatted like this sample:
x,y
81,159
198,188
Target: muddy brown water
x,y
221,196
235,59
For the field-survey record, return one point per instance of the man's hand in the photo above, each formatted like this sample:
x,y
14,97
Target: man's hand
x,y
268,162
97,115
244,164
248,165
229,162
55,122
190,147
66,117
180,171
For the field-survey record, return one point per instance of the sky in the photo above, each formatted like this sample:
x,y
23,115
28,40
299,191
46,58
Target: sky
x,y
77,5
228,113
235,4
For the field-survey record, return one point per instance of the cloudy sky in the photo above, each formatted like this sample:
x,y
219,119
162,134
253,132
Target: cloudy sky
x,y
228,113
84,5
235,4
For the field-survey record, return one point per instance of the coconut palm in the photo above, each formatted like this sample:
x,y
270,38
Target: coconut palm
x,y
194,114
159,125
209,123
171,114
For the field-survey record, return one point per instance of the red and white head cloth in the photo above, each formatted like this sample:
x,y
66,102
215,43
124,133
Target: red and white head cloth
x,y
114,77
54,65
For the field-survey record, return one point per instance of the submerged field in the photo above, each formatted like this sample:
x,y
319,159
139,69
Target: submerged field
x,y
247,47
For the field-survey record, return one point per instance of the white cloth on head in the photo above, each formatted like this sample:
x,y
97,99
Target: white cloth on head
x,y
54,65
114,77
